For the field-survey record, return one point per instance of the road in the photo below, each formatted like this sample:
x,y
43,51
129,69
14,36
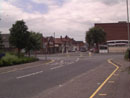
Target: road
x,y
74,75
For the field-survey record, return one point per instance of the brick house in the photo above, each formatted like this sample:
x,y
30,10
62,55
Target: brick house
x,y
48,45
80,45
59,45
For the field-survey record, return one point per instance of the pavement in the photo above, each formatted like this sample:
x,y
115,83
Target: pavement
x,y
74,75
119,85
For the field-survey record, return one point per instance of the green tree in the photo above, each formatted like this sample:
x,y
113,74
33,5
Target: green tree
x,y
19,35
96,36
34,42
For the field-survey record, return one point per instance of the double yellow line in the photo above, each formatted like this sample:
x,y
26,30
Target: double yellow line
x,y
105,81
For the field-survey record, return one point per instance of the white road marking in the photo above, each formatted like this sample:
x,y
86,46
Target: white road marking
x,y
111,81
57,67
31,74
61,61
102,94
77,60
98,83
54,64
70,63
116,74
60,85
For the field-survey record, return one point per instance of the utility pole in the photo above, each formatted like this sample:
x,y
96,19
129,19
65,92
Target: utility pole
x,y
54,43
127,3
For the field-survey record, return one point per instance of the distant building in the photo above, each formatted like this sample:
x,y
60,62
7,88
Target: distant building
x,y
114,31
61,45
48,44
80,44
5,39
116,35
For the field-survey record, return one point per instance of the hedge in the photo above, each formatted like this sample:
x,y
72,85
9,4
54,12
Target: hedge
x,y
10,59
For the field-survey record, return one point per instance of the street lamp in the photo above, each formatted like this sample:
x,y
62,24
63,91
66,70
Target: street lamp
x,y
128,24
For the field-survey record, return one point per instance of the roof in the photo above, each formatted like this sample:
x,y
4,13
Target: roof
x,y
58,41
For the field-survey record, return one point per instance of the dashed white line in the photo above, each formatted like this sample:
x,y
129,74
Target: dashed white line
x,y
57,67
31,74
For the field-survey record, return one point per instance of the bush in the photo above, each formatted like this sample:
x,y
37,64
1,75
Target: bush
x,y
10,59
126,55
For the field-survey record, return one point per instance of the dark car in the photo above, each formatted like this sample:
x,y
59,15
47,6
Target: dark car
x,y
83,50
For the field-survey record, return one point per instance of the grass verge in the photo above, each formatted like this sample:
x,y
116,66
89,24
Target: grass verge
x,y
10,59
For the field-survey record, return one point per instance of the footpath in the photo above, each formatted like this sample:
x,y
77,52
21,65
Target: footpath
x,y
122,84
119,85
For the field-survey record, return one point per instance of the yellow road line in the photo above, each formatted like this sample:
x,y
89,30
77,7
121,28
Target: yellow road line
x,y
50,62
100,87
16,69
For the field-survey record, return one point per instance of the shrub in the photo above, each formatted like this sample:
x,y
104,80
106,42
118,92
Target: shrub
x,y
10,59
126,55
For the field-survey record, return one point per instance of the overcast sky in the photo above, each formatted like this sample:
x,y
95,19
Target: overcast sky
x,y
64,17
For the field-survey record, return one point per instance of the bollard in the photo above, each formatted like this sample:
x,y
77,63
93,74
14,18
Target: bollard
x,y
90,54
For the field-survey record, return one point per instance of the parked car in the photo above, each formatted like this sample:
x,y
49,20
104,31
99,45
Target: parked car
x,y
83,50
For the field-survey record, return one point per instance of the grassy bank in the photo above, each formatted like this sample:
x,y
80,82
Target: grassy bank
x,y
11,59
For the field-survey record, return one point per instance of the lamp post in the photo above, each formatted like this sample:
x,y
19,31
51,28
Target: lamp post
x,y
128,24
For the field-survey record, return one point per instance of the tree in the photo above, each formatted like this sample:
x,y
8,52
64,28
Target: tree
x,y
96,36
34,42
19,35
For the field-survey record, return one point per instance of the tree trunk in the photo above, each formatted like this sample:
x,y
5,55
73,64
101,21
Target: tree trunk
x,y
19,51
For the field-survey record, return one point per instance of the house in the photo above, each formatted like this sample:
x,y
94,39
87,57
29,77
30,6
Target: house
x,y
49,45
58,45
5,39
68,44
80,45
61,45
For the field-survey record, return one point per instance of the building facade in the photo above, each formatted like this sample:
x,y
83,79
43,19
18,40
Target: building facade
x,y
114,31
116,35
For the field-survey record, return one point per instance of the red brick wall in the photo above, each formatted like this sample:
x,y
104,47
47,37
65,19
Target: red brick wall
x,y
114,31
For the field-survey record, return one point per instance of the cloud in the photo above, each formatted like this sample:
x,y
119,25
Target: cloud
x,y
73,17
48,2
110,2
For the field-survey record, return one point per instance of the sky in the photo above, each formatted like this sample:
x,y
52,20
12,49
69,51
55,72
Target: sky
x,y
64,17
